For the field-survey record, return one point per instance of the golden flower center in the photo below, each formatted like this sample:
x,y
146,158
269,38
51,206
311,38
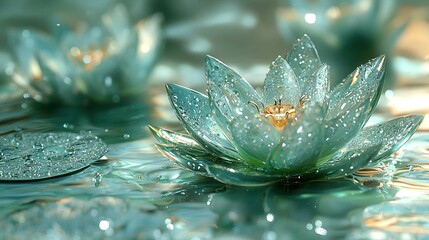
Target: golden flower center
x,y
279,114
90,58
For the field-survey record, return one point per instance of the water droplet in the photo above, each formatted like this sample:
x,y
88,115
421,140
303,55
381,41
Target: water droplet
x,y
69,149
38,146
97,179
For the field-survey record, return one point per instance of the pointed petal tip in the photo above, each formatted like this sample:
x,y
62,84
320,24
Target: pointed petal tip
x,y
160,147
163,149
173,88
306,37
380,61
279,60
152,129
419,118
416,118
208,59
168,86
212,64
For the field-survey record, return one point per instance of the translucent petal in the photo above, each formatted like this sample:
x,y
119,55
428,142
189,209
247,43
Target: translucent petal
x,y
94,79
254,138
304,60
241,175
192,109
391,135
60,86
42,69
233,93
281,83
301,144
169,137
346,162
187,158
221,109
317,88
365,82
338,131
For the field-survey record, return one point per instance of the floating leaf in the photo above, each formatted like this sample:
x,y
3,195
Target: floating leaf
x,y
35,156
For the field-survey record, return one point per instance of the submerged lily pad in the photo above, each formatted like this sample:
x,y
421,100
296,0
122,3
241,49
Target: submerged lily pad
x,y
34,156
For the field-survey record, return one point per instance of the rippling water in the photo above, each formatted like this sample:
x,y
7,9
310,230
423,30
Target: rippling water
x,y
134,192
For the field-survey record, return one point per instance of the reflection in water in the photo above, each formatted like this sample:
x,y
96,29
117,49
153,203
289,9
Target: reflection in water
x,y
399,219
121,122
107,217
309,211
407,216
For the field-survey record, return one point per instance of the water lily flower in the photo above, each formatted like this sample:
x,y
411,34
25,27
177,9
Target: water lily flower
x,y
299,129
87,62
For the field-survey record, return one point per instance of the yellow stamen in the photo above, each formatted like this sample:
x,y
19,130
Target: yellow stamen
x,y
278,114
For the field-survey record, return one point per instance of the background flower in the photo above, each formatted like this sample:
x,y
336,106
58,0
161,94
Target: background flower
x,y
100,62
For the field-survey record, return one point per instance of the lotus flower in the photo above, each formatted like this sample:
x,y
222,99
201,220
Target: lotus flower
x,y
298,130
99,62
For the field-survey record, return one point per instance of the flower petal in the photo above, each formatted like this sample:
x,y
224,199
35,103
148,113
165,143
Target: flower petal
x,y
192,109
346,162
187,158
365,82
254,138
169,137
337,132
281,83
304,60
241,175
42,69
317,88
302,140
221,110
391,134
232,93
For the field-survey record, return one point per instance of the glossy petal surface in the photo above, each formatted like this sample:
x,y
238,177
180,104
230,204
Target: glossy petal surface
x,y
221,110
254,138
165,136
192,108
301,143
317,89
304,60
241,175
338,131
233,93
364,83
391,135
281,83
347,161
188,158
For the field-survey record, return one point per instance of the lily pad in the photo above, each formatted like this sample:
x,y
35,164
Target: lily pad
x,y
35,156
